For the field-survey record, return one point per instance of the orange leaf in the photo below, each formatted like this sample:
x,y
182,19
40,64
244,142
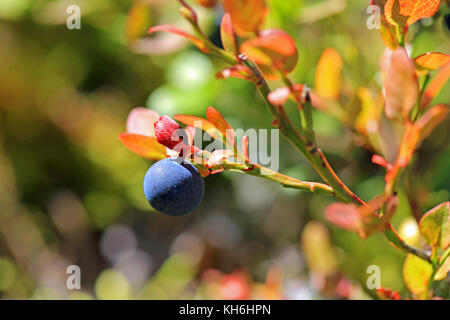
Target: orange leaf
x,y
328,74
386,30
405,12
410,142
227,34
418,9
138,20
393,16
216,118
172,29
431,119
439,80
432,60
273,51
247,15
144,146
401,86
207,3
200,123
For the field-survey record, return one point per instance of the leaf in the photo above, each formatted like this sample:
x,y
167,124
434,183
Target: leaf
x,y
138,20
416,273
172,29
328,74
405,12
216,118
431,60
345,216
431,119
200,123
362,219
247,15
367,121
410,141
144,146
401,86
435,226
140,121
418,9
393,16
387,31
317,248
439,80
227,35
207,3
273,51
443,271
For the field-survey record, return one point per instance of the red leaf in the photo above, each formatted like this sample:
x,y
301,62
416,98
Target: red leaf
x,y
401,86
387,294
345,216
247,15
172,29
227,35
273,51
144,146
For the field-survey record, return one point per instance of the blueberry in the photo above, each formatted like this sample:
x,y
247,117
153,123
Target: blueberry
x,y
173,188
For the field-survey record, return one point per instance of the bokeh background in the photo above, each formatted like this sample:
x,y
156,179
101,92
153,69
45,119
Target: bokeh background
x,y
71,193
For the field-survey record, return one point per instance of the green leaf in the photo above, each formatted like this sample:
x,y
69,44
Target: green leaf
x,y
416,273
435,226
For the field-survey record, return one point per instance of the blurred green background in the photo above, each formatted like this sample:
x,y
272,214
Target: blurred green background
x,y
71,193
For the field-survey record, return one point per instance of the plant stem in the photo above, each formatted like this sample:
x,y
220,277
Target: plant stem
x,y
319,162
308,148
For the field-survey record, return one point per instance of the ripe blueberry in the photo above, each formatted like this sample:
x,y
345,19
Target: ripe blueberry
x,y
173,188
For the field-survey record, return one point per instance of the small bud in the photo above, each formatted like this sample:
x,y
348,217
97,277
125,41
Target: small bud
x,y
165,132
